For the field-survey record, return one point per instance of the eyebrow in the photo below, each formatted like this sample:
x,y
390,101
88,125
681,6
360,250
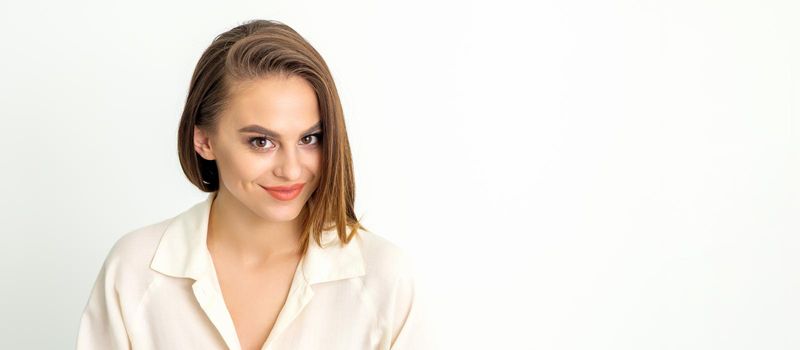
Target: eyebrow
x,y
262,130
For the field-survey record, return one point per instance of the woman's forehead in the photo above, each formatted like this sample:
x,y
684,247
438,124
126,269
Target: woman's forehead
x,y
279,104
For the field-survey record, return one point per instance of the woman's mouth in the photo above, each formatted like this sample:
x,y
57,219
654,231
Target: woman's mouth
x,y
285,193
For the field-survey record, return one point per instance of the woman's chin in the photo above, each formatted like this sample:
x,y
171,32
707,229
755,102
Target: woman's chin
x,y
279,214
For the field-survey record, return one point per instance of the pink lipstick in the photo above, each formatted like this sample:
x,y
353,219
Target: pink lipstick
x,y
285,193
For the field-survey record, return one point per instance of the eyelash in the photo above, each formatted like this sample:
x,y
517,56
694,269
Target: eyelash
x,y
260,149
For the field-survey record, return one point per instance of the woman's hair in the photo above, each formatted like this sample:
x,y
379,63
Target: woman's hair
x,y
260,49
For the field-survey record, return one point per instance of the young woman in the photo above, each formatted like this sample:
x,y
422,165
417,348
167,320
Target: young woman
x,y
275,257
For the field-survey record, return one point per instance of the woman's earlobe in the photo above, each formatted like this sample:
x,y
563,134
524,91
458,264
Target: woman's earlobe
x,y
202,144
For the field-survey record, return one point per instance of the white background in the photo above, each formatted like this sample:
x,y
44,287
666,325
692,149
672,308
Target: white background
x,y
567,174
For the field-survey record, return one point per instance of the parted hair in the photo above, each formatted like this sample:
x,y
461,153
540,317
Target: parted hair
x,y
260,49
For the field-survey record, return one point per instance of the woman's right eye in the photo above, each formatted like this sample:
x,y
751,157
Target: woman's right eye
x,y
258,143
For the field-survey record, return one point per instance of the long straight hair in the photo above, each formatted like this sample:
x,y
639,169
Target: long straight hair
x,y
259,49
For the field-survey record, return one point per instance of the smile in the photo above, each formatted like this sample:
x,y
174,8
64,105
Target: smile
x,y
285,193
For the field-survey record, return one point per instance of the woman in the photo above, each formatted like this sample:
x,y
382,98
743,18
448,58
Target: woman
x,y
275,257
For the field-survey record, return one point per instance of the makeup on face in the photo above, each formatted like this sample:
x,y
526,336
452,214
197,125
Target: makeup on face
x,y
285,193
313,133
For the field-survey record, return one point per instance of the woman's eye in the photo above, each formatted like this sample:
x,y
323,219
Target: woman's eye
x,y
259,142
307,140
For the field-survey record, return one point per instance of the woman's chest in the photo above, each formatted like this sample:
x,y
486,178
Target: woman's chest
x,y
183,314
254,299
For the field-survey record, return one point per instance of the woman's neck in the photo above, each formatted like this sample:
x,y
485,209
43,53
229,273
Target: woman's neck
x,y
234,230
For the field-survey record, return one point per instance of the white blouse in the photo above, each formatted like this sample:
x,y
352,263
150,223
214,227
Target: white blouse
x,y
158,289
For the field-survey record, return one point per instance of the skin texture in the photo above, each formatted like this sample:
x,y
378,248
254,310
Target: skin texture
x,y
253,238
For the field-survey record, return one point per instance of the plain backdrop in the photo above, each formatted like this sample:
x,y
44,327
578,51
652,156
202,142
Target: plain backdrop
x,y
566,174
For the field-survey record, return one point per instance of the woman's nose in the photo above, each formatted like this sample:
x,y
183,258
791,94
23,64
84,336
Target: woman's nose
x,y
288,166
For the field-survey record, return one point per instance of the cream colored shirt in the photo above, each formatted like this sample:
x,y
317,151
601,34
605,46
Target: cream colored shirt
x,y
158,289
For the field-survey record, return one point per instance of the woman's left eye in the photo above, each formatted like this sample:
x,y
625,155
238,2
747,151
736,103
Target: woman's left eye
x,y
314,136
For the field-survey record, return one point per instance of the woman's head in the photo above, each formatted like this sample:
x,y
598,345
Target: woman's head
x,y
262,111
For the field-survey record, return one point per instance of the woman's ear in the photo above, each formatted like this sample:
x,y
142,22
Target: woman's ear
x,y
202,144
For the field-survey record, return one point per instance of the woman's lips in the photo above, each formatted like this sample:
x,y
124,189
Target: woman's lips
x,y
285,193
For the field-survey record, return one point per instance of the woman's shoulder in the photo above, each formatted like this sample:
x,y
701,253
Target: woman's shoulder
x,y
139,241
131,253
391,284
383,258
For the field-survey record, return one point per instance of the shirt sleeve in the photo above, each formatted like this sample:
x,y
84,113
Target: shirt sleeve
x,y
102,325
413,328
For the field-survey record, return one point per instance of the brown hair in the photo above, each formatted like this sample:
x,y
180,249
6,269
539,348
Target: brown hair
x,y
259,49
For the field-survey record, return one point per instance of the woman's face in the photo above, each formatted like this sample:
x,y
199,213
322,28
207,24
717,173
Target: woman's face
x,y
268,136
